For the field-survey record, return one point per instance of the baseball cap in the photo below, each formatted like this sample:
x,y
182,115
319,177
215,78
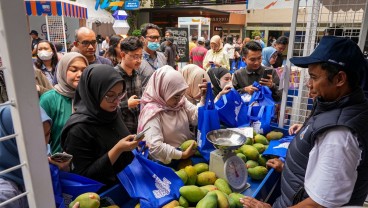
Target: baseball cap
x,y
339,51
201,39
33,32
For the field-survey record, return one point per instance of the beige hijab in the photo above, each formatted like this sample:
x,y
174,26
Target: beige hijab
x,y
217,40
63,87
193,76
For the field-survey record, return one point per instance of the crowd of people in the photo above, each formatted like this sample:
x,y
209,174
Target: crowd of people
x,y
93,106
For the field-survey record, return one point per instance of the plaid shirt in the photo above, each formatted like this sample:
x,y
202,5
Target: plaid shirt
x,y
133,87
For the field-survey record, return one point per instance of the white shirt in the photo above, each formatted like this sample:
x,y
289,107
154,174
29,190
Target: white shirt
x,y
229,50
331,171
105,45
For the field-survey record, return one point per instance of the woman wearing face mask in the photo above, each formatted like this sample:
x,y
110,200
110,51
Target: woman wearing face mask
x,y
58,101
216,57
193,76
168,114
95,134
221,81
47,60
113,52
269,56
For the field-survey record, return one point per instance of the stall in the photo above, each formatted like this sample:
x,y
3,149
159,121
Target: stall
x,y
56,20
197,26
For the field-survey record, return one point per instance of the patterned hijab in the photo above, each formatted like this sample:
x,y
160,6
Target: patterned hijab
x,y
164,83
63,87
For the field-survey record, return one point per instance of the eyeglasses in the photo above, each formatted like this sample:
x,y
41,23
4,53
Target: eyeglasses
x,y
158,38
136,57
111,99
86,43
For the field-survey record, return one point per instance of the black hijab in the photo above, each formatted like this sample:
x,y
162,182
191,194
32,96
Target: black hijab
x,y
215,75
95,82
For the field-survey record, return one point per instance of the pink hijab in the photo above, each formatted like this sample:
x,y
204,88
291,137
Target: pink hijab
x,y
164,83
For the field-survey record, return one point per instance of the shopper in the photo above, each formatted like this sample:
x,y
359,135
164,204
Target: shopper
x,y
58,101
269,55
220,78
326,164
168,114
47,60
198,53
216,56
193,76
280,46
35,41
113,52
244,78
131,58
229,49
95,134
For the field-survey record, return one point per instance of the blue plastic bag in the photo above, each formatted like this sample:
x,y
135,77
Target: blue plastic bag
x,y
208,120
261,109
278,147
153,184
231,109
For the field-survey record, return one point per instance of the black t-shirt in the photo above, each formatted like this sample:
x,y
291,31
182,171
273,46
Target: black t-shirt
x,y
35,42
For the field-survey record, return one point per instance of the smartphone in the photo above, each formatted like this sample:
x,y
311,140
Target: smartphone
x,y
140,134
266,73
61,157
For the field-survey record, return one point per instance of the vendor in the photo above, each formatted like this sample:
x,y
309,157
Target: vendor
x,y
95,134
166,110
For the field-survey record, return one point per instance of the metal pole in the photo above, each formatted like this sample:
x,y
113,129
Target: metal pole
x,y
363,29
64,36
47,28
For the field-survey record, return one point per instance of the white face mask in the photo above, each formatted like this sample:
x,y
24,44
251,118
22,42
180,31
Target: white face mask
x,y
223,84
45,55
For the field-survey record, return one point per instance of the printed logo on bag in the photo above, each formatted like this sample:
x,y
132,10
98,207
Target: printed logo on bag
x,y
163,187
284,145
199,140
303,132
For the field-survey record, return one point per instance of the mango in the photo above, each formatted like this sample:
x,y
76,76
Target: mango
x,y
209,201
223,185
222,201
201,167
184,163
179,207
172,204
183,202
251,164
257,173
137,205
262,160
260,147
259,138
236,197
209,187
192,193
183,175
184,146
206,178
87,200
242,156
232,203
237,151
250,152
197,153
192,174
249,141
274,135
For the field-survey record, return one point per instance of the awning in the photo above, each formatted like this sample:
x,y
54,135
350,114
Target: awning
x,y
55,8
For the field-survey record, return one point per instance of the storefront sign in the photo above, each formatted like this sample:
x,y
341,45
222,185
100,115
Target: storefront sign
x,y
218,28
181,39
114,5
131,5
220,19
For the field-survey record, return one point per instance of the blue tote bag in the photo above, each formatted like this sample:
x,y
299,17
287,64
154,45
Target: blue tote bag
x,y
153,184
261,109
208,120
232,110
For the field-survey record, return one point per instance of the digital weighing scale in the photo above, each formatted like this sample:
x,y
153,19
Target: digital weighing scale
x,y
223,161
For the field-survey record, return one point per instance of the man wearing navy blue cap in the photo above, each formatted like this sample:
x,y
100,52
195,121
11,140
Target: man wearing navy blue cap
x,y
327,161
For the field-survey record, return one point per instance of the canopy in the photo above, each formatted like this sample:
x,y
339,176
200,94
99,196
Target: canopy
x,y
55,8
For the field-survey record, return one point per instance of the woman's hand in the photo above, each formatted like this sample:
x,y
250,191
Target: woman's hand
x,y
276,164
250,202
250,89
295,128
133,101
203,89
189,152
127,143
223,92
64,166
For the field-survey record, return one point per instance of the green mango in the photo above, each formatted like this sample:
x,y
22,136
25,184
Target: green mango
x,y
201,167
223,185
209,201
257,173
183,175
236,198
87,200
206,178
192,193
260,147
259,138
242,156
250,152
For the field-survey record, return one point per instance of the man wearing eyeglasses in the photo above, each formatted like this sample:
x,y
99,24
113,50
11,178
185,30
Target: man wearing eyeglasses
x,y
152,59
85,42
131,58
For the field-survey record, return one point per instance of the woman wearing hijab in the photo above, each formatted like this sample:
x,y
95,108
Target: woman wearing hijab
x,y
216,57
12,183
168,114
221,81
95,134
193,76
269,56
58,101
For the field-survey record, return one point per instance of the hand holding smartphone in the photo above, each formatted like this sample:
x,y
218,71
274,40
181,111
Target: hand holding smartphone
x,y
140,135
266,73
61,157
